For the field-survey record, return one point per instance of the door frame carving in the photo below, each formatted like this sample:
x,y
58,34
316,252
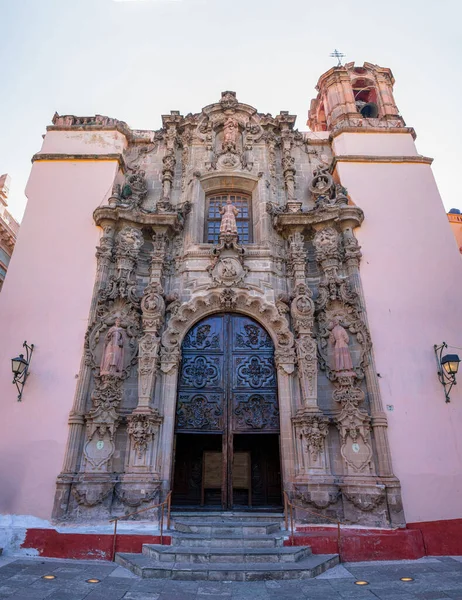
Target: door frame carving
x,y
182,319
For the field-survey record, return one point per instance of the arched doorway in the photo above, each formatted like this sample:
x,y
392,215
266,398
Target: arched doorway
x,y
227,417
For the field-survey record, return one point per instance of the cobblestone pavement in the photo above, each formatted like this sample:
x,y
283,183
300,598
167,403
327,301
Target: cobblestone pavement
x,y
433,578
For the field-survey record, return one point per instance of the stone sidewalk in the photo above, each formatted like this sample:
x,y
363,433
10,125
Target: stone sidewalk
x,y
433,578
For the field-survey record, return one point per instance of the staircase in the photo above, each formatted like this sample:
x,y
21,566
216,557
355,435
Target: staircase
x,y
227,547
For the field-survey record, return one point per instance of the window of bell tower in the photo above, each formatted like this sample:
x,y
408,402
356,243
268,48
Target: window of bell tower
x,y
365,95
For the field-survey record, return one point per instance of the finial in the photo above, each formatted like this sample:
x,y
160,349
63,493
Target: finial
x,y
338,55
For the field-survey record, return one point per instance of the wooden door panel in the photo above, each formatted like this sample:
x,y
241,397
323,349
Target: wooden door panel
x,y
228,384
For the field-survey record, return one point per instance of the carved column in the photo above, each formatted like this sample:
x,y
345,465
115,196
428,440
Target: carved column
x,y
170,123
140,482
379,420
310,426
110,349
76,421
286,123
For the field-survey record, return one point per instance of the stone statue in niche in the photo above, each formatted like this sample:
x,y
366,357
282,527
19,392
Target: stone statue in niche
x,y
342,357
112,362
230,134
228,220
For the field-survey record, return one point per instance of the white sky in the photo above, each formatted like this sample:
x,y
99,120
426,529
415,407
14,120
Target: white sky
x,y
137,59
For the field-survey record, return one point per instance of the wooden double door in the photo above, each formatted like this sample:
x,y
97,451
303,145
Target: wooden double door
x,y
227,417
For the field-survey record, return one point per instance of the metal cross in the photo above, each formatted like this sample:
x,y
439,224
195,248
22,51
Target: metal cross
x,y
338,55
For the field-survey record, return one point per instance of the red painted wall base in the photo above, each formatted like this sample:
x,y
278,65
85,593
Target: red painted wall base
x,y
435,538
54,544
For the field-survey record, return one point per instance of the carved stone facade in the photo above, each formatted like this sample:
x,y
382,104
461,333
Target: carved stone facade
x,y
299,279
9,228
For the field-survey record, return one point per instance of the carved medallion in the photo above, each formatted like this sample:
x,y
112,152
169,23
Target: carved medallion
x,y
256,371
199,371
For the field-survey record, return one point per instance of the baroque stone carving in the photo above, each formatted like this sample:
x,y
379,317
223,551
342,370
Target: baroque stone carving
x,y
365,500
134,190
320,499
302,309
141,428
229,213
122,283
342,362
91,494
102,423
326,244
354,428
322,181
216,300
314,431
112,362
307,362
104,336
134,495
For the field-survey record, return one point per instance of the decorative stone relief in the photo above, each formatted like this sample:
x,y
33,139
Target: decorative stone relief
x,y
122,283
103,339
302,309
314,430
134,190
141,428
89,494
228,299
102,423
307,362
354,428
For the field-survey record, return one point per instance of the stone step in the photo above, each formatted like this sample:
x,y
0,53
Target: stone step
x,y
222,516
225,527
191,554
227,541
144,566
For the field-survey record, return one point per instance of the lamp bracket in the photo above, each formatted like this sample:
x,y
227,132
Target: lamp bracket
x,y
20,378
446,380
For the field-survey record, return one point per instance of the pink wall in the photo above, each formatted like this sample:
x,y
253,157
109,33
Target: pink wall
x,y
45,300
376,144
83,142
412,279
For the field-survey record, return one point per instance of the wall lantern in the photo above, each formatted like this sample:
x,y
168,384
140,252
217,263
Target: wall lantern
x,y
448,365
20,368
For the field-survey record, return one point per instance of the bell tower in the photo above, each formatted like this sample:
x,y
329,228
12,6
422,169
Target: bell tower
x,y
352,96
409,274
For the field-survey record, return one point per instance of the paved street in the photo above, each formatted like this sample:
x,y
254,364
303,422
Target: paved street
x,y
433,578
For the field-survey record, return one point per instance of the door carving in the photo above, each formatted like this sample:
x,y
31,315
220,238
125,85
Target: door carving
x,y
227,385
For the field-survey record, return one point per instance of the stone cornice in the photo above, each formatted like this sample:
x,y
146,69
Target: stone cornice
x,y
166,221
286,223
363,158
80,157
349,129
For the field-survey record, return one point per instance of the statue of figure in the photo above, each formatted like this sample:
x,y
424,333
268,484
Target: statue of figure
x,y
339,338
228,220
231,131
112,362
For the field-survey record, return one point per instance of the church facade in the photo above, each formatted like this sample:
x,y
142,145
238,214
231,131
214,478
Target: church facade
x,y
260,317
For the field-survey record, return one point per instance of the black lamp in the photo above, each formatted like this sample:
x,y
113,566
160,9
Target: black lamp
x,y
20,368
448,366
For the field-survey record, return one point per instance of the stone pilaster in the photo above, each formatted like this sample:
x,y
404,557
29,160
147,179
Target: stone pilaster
x,y
76,435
